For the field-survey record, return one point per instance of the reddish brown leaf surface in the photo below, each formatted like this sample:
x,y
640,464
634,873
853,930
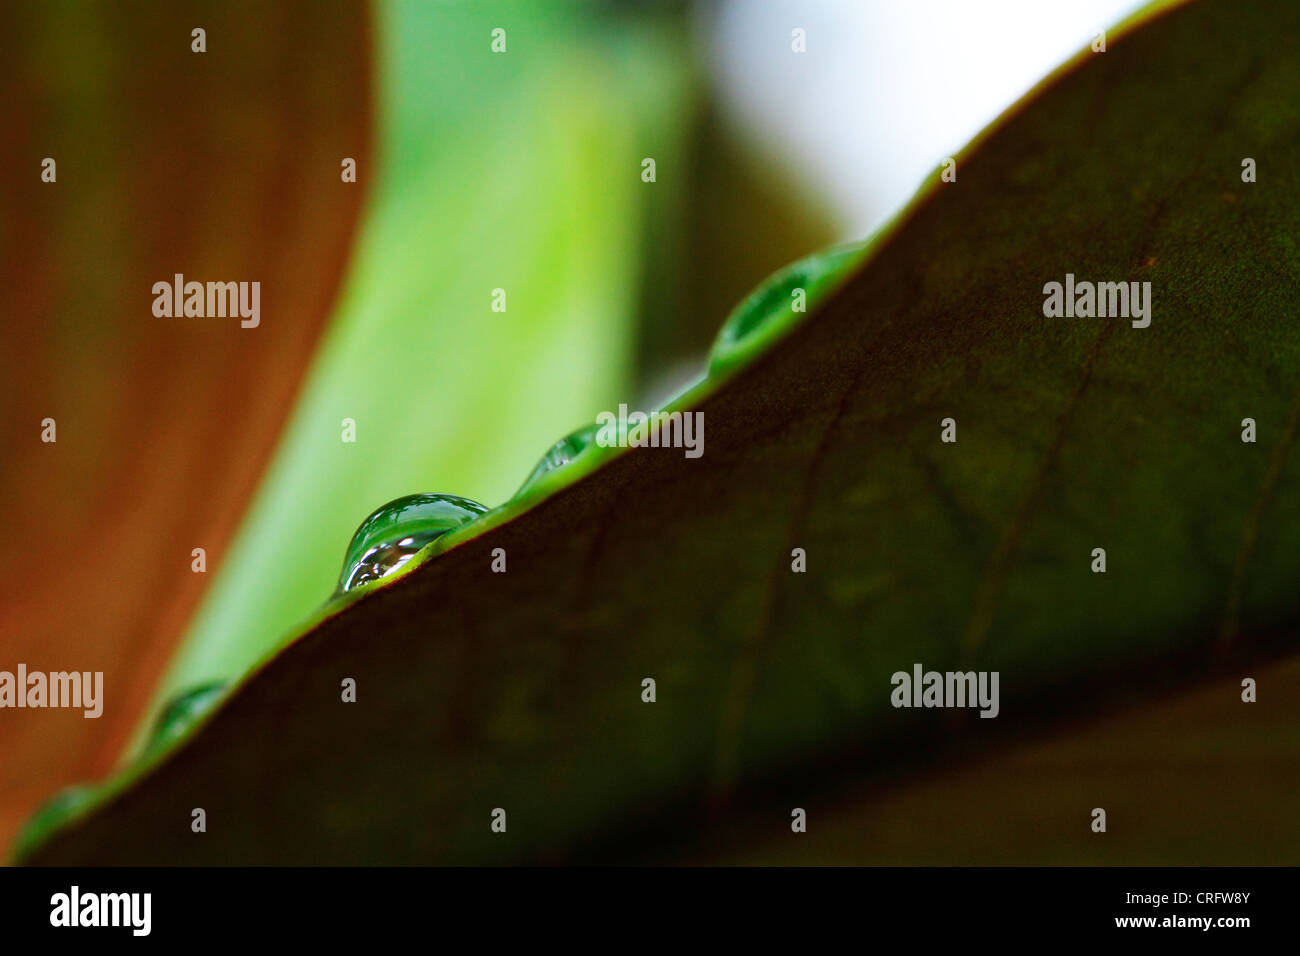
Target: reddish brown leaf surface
x,y
1195,776
223,166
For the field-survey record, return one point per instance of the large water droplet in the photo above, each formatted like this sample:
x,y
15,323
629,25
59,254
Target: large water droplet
x,y
771,304
393,534
560,454
183,710
51,814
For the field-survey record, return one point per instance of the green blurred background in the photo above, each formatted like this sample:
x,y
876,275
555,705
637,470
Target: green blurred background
x,y
518,171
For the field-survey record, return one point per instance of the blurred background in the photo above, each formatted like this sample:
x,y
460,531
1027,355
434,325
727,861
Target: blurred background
x,y
776,128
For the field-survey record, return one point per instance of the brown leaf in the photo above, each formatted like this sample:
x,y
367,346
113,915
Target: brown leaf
x,y
222,166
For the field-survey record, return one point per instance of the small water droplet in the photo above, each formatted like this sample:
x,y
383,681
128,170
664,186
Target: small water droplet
x,y
395,533
771,303
560,454
51,814
183,710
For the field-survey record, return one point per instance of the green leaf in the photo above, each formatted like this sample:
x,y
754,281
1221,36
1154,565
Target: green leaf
x,y
522,690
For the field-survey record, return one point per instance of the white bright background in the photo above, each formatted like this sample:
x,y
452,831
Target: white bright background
x,y
887,88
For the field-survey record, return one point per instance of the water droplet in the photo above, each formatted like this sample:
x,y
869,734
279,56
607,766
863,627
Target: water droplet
x,y
51,814
183,710
771,305
395,533
560,454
